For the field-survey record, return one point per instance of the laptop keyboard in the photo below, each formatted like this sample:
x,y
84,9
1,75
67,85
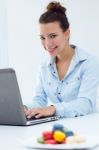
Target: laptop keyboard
x,y
34,118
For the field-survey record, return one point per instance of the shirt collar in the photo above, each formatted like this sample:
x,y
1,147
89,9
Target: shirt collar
x,y
80,55
51,61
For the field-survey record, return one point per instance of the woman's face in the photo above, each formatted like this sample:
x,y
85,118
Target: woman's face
x,y
53,39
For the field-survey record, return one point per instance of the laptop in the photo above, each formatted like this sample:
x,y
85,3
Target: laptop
x,y
11,106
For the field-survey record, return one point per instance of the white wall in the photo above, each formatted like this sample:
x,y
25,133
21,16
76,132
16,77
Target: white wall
x,y
3,35
25,51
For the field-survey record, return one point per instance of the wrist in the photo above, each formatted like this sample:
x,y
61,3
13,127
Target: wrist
x,y
53,109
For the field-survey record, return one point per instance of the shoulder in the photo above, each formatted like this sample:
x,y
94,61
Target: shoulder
x,y
89,61
92,62
87,58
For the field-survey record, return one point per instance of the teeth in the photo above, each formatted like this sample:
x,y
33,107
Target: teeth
x,y
51,49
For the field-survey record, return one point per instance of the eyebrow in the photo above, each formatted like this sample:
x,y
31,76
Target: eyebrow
x,y
49,34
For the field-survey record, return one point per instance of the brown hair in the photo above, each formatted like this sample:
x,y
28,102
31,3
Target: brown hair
x,y
55,12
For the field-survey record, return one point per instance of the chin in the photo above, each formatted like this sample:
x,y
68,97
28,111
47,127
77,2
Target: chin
x,y
52,55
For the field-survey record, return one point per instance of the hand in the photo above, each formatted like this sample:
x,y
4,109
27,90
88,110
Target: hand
x,y
25,109
41,112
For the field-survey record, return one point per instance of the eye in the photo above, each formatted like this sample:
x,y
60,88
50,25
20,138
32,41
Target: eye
x,y
42,38
53,36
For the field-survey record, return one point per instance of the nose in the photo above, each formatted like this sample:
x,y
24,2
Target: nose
x,y
48,43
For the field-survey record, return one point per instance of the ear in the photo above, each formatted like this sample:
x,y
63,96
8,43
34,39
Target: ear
x,y
67,34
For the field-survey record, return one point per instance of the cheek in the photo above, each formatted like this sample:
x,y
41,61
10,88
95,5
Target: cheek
x,y
43,43
60,40
60,43
63,41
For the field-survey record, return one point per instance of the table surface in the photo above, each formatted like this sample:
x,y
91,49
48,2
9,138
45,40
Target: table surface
x,y
11,135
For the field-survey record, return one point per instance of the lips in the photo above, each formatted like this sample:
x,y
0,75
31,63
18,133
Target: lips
x,y
51,50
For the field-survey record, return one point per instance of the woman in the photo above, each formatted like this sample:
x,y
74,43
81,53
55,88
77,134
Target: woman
x,y
70,78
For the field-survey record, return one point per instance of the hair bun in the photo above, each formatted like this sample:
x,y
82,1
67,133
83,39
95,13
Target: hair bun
x,y
56,6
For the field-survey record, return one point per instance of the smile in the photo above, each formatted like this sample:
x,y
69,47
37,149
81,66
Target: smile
x,y
52,50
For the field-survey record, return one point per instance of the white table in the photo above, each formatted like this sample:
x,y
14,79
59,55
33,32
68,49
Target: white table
x,y
10,135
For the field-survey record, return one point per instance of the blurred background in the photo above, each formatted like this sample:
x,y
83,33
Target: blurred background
x,y
20,46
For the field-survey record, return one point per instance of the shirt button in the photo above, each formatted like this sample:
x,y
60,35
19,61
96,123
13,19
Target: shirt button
x,y
59,93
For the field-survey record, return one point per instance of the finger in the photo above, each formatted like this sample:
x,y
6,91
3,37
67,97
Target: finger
x,y
38,116
25,111
31,114
28,112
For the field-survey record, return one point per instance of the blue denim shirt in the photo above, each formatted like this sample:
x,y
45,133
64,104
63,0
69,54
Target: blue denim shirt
x,y
75,94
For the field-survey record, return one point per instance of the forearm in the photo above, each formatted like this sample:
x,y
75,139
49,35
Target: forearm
x,y
78,107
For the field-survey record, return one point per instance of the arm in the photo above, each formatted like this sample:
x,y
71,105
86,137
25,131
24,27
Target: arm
x,y
39,106
86,98
39,97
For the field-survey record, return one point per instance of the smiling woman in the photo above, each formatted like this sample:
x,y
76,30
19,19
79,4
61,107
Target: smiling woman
x,y
70,78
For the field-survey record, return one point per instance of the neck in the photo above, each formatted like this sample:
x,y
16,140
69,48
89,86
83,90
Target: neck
x,y
65,55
